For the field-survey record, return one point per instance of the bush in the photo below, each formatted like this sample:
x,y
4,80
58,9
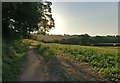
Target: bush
x,y
12,57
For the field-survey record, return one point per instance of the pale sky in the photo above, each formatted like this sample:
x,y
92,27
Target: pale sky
x,y
93,18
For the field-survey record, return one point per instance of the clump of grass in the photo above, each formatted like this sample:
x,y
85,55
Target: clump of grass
x,y
12,57
45,51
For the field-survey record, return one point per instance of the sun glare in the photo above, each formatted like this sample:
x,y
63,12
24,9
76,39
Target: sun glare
x,y
58,24
57,19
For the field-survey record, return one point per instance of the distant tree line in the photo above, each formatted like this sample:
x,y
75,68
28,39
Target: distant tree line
x,y
86,39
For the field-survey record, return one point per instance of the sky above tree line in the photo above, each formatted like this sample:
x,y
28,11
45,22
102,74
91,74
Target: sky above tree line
x,y
93,18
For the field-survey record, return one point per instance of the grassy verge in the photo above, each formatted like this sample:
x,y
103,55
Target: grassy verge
x,y
45,51
53,62
103,60
12,57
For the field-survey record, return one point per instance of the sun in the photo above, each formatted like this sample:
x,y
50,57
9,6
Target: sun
x,y
57,20
58,24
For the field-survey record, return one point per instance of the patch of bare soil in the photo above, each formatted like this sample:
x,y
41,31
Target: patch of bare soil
x,y
34,68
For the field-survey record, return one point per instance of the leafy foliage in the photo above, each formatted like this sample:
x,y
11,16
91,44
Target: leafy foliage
x,y
12,59
21,18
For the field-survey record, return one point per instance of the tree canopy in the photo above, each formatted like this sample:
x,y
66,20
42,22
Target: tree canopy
x,y
21,18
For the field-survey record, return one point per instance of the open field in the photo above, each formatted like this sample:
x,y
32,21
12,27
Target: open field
x,y
103,60
60,62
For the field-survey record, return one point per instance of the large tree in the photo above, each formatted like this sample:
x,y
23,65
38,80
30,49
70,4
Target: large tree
x,y
21,18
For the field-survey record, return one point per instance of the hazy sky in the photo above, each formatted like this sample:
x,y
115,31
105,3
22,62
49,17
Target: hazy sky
x,y
93,18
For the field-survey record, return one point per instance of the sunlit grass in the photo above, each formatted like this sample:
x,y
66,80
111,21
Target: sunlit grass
x,y
104,60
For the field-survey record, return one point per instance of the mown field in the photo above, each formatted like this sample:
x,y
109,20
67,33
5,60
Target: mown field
x,y
103,60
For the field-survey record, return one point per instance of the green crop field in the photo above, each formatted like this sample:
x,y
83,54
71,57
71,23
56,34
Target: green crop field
x,y
103,60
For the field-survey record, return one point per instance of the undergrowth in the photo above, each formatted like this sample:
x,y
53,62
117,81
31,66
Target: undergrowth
x,y
12,58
